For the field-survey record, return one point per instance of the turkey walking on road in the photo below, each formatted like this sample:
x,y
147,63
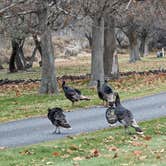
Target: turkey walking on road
x,y
58,119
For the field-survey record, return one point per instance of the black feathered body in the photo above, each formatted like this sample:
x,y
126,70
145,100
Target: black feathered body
x,y
73,94
57,117
124,115
105,91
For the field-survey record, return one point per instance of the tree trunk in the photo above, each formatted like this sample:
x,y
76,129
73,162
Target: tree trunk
x,y
30,63
1,67
142,47
20,59
17,59
12,67
89,38
38,44
37,47
97,70
134,49
115,66
109,47
48,81
146,49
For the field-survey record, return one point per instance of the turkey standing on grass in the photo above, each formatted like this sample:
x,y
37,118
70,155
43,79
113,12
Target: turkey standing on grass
x,y
72,94
125,116
56,116
105,92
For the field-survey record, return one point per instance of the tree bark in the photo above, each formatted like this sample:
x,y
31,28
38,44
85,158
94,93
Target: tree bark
x,y
146,48
134,48
12,67
142,47
48,80
20,59
89,38
37,47
115,66
17,59
109,48
97,69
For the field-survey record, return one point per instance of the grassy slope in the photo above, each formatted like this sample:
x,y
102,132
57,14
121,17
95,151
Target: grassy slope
x,y
105,147
21,101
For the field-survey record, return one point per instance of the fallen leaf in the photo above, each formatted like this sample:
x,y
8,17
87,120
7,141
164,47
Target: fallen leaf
x,y
142,157
134,137
70,137
56,154
137,152
147,138
26,152
78,158
69,151
49,163
65,156
75,164
158,156
110,138
134,143
115,155
73,147
113,148
162,150
88,157
95,153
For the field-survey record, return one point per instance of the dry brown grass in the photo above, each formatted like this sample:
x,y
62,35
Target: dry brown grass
x,y
82,59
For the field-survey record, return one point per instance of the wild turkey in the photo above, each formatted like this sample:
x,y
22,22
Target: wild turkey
x,y
57,117
125,116
105,92
72,94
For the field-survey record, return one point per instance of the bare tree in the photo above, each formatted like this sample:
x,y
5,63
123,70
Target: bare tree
x,y
48,82
110,64
100,12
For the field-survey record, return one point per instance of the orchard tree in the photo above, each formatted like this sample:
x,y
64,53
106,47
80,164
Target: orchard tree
x,y
101,13
37,18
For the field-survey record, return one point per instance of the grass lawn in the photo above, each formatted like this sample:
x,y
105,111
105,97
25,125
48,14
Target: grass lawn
x,y
102,148
80,65
106,147
19,101
22,100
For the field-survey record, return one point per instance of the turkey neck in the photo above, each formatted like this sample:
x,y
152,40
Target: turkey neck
x,y
117,100
63,84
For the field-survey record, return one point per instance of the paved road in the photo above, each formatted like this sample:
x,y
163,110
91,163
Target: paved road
x,y
35,130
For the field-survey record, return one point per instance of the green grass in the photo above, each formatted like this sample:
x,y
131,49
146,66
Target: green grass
x,y
111,146
29,103
22,101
